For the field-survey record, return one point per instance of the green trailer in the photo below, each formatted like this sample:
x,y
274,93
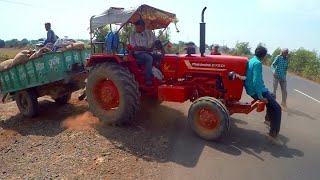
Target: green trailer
x,y
54,74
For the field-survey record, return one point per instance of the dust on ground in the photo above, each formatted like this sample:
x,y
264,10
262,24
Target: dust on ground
x,y
68,142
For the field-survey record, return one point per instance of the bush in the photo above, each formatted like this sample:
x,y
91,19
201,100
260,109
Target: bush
x,y
301,62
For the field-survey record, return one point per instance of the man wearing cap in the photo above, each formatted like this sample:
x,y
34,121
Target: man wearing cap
x,y
143,41
279,68
51,36
215,50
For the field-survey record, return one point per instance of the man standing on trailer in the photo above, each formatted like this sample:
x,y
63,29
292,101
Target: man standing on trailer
x,y
279,68
255,87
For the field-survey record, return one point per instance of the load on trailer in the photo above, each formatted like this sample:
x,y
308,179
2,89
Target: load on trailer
x,y
36,74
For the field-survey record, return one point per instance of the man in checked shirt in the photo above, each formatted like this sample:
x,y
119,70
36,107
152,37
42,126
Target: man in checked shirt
x,y
279,68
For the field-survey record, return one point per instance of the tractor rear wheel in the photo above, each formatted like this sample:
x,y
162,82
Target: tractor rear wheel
x,y
112,93
209,118
27,103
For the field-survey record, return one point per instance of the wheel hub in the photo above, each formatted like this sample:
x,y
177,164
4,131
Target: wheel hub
x,y
106,93
24,102
207,119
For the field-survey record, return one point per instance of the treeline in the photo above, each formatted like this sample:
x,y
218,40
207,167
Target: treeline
x,y
302,62
15,43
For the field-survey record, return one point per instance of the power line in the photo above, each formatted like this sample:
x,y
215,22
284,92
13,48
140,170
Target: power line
x,y
13,2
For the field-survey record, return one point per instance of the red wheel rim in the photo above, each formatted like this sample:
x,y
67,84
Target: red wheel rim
x,y
207,119
106,94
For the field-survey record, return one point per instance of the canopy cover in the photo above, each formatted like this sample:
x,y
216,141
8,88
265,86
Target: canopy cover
x,y
154,18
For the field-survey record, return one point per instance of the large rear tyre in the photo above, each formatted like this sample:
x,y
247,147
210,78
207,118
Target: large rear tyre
x,y
112,93
209,118
63,99
27,103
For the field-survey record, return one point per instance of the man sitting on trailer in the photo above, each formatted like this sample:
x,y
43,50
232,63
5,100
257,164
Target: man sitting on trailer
x,y
51,36
143,41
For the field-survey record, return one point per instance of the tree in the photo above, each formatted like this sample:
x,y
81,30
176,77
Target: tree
x,y
2,43
225,50
24,42
275,53
124,34
164,35
242,49
12,43
299,60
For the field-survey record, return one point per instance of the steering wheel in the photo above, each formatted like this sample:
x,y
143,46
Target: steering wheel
x,y
159,45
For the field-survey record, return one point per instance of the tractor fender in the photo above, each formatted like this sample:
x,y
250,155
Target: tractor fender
x,y
102,58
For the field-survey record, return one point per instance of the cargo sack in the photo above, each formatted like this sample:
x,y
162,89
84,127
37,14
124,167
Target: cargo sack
x,y
75,46
40,52
21,57
6,64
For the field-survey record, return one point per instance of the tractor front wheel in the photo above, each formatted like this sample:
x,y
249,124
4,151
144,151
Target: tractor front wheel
x,y
112,93
209,118
27,103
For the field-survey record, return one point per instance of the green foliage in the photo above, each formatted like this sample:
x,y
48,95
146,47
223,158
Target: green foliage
x,y
164,35
125,32
12,43
225,50
305,63
273,56
299,59
101,33
242,49
302,62
24,42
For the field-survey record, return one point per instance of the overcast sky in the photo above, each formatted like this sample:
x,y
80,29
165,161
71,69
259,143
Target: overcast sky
x,y
277,23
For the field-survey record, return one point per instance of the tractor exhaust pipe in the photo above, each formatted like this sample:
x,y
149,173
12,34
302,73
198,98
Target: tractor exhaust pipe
x,y
203,33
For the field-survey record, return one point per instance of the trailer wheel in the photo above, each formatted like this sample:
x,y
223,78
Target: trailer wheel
x,y
209,119
112,93
63,99
27,103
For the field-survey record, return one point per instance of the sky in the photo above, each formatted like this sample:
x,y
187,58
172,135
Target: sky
x,y
276,23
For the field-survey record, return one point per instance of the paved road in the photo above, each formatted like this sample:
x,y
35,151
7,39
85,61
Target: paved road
x,y
246,153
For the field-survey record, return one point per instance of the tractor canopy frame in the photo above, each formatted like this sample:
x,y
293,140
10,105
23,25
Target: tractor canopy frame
x,y
154,19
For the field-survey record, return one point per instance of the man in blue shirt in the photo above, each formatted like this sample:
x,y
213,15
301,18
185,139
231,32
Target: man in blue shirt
x,y
279,68
51,36
255,87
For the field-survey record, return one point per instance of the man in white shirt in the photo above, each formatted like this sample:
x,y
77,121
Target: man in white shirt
x,y
143,41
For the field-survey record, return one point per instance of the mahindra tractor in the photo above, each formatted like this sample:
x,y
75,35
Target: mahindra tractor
x,y
116,82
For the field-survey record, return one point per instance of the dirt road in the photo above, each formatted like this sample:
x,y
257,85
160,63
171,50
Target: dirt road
x,y
67,142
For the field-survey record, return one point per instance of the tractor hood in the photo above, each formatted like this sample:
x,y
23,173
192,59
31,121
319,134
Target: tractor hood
x,y
154,18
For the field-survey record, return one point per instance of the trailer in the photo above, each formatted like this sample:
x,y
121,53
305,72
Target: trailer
x,y
55,74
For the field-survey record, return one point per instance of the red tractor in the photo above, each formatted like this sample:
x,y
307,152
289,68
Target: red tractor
x,y
213,83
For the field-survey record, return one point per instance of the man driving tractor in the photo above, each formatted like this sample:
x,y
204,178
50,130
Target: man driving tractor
x,y
143,42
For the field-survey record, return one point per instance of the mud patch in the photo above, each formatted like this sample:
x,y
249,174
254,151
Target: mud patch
x,y
81,122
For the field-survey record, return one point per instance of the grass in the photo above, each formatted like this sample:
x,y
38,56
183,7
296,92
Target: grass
x,y
10,53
